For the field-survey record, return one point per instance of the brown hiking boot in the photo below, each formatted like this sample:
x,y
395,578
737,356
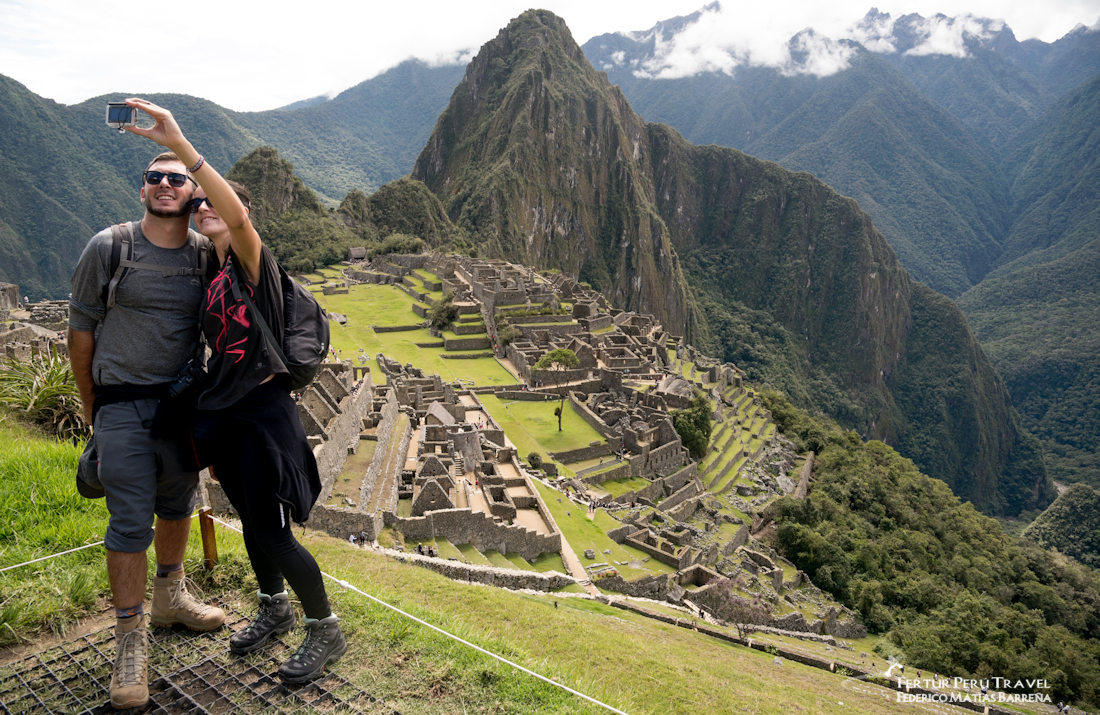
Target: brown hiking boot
x,y
130,678
173,603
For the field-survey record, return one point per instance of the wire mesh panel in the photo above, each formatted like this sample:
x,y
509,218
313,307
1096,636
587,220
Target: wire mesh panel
x,y
188,673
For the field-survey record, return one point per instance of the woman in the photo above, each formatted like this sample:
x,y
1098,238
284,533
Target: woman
x,y
248,420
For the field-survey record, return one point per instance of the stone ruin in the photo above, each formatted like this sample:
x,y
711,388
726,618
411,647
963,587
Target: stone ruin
x,y
442,468
41,332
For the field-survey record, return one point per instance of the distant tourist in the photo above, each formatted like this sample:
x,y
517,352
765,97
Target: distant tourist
x,y
248,423
124,356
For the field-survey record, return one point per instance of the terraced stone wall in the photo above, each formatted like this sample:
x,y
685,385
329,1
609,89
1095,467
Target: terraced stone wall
x,y
462,526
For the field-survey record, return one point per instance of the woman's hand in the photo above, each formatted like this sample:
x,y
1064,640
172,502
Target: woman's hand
x,y
164,132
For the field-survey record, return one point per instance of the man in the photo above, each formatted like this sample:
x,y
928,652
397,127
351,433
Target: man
x,y
123,357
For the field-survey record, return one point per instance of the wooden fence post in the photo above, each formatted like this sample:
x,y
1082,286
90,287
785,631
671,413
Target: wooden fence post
x,y
209,540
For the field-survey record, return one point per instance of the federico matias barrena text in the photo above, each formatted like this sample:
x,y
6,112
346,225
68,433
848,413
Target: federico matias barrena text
x,y
957,690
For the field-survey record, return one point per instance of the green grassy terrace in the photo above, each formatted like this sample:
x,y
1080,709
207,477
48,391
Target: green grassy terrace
x,y
367,305
533,427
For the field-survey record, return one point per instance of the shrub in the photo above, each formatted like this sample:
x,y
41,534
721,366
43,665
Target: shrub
x,y
43,391
535,460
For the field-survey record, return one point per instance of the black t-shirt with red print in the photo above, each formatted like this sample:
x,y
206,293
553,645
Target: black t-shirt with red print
x,y
239,359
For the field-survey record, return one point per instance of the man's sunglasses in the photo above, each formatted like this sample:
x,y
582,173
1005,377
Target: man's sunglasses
x,y
153,178
195,204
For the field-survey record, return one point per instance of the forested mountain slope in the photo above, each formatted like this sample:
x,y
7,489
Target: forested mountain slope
x,y
539,159
1038,314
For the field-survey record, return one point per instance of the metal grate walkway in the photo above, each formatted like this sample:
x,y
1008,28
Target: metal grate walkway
x,y
189,673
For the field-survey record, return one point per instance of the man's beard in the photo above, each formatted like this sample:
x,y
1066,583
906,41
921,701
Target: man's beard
x,y
161,213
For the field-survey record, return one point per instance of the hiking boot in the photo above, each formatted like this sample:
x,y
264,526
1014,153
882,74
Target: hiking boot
x,y
324,644
275,616
130,677
172,603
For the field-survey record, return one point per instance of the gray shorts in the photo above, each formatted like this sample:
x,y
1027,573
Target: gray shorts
x,y
141,476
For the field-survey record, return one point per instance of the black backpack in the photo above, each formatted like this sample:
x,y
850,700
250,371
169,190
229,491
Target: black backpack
x,y
122,254
305,328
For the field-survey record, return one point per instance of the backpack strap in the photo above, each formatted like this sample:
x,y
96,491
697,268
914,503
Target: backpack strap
x,y
241,295
122,254
122,237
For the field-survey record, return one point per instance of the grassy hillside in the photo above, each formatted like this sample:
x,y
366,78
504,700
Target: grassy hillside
x,y
1054,175
1036,314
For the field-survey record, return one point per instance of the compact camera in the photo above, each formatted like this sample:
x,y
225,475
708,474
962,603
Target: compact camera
x,y
121,115
189,382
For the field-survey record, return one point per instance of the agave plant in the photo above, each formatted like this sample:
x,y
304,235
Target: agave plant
x,y
43,391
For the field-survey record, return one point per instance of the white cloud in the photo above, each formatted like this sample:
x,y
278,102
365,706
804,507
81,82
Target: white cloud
x,y
723,39
875,33
947,35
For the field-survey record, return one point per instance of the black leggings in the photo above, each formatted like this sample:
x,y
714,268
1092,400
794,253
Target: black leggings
x,y
249,454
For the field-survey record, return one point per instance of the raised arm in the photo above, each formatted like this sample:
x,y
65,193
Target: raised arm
x,y
166,132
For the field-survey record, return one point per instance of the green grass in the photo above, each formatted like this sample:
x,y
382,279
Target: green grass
x,y
604,652
498,559
550,562
532,426
472,555
618,487
43,515
452,335
447,550
367,305
519,562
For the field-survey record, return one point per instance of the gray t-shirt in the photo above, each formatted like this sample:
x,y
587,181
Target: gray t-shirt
x,y
152,330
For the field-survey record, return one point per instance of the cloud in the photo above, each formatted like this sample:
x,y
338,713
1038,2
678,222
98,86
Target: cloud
x,y
942,35
722,39
875,32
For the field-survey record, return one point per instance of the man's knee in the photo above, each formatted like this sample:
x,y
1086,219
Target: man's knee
x,y
127,542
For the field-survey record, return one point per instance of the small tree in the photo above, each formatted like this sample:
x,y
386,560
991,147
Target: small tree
x,y
694,425
556,362
443,313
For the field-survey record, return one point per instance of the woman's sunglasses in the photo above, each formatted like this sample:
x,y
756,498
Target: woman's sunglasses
x,y
153,178
195,204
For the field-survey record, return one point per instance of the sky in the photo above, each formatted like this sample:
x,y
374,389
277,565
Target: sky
x,y
251,56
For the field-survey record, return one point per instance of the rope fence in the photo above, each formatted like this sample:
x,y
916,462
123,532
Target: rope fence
x,y
51,556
